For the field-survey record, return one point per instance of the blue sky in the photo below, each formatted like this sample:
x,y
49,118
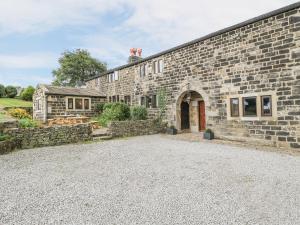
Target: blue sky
x,y
33,33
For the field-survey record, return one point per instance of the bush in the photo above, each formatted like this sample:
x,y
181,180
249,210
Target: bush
x,y
99,107
28,123
27,93
11,91
2,91
139,113
114,112
19,113
4,137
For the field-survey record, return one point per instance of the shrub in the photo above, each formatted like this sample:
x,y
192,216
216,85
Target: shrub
x,y
139,113
99,107
2,91
11,91
114,112
19,113
28,123
4,137
27,93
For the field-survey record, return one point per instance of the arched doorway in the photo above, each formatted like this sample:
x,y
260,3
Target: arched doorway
x,y
191,112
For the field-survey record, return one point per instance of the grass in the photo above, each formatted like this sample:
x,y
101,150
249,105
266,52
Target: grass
x,y
13,102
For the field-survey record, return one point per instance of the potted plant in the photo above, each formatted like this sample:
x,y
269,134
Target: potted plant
x,y
208,134
172,130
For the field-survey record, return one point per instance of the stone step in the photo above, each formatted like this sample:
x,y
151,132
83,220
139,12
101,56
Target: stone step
x,y
102,138
99,133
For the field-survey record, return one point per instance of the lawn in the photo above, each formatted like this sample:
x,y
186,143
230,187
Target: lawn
x,y
13,102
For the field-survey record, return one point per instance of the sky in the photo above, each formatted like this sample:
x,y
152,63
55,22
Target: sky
x,y
34,33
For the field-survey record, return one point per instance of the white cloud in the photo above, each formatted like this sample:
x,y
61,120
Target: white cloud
x,y
28,61
35,16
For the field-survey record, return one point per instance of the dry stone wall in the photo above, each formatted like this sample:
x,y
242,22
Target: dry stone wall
x,y
50,136
135,128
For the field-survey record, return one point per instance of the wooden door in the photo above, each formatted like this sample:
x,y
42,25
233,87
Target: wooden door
x,y
202,122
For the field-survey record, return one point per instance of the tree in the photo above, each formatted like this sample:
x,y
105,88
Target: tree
x,y
27,93
2,91
11,91
75,67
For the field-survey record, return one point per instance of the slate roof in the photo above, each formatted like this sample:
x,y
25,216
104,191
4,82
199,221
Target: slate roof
x,y
70,91
225,30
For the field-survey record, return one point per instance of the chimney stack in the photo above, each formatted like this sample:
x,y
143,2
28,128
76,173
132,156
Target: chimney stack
x,y
135,55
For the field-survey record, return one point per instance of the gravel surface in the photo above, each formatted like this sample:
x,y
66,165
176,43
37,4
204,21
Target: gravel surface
x,y
149,180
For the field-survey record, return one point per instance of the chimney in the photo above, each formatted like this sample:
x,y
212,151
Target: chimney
x,y
135,55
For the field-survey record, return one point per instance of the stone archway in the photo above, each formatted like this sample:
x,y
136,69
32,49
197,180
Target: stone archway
x,y
190,112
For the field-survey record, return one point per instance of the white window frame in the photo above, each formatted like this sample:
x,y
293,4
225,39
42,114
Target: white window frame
x,y
38,103
160,66
74,107
116,75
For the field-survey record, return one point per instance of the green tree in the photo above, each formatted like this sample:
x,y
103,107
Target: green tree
x,y
11,91
75,67
27,93
2,91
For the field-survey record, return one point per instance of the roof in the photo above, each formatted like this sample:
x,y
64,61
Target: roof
x,y
225,30
72,91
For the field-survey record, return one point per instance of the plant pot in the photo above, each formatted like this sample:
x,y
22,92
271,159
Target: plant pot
x,y
172,131
208,136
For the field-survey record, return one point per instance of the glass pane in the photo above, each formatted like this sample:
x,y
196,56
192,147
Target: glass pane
x,y
250,106
78,103
70,103
234,107
153,101
266,106
86,104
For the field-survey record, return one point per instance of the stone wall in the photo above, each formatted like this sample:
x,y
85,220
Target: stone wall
x,y
255,59
50,136
134,128
8,125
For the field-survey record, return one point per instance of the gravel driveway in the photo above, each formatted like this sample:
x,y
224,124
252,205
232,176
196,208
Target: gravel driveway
x,y
149,180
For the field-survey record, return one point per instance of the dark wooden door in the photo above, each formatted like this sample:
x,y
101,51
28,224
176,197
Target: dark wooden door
x,y
185,116
202,122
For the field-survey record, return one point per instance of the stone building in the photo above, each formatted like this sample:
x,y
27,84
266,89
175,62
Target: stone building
x,y
243,82
50,102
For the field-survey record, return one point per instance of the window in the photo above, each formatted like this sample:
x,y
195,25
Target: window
x,y
116,76
70,103
109,99
266,105
155,67
78,103
250,107
148,102
127,99
153,101
160,66
86,103
143,102
234,107
142,71
118,98
38,104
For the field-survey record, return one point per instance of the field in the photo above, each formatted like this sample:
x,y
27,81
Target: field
x,y
13,102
